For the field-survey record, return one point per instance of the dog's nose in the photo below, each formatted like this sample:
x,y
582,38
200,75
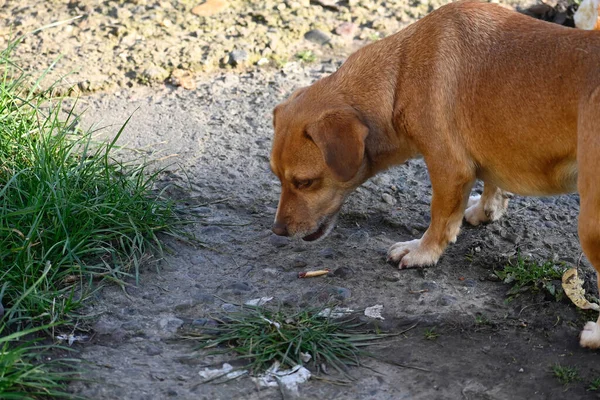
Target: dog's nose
x,y
280,229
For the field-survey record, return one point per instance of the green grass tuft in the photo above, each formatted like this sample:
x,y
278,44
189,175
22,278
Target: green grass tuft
x,y
565,375
70,211
527,275
263,336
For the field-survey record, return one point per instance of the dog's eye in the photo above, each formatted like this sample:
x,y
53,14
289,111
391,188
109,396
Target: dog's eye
x,y
303,183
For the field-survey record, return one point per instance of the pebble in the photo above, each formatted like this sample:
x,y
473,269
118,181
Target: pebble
x,y
346,30
152,350
279,241
446,300
430,286
209,7
237,57
239,287
299,262
388,199
492,278
343,272
317,36
104,327
170,324
327,252
155,73
203,298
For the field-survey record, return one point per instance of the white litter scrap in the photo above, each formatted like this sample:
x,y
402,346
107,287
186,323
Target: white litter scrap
x,y
275,324
225,372
287,379
374,311
335,313
70,339
305,357
258,302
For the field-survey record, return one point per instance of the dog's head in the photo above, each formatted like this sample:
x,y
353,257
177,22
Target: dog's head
x,y
318,155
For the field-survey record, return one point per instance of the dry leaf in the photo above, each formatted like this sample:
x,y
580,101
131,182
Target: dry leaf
x,y
573,287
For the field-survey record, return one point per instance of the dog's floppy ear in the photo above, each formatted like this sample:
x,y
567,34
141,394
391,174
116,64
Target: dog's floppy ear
x,y
340,136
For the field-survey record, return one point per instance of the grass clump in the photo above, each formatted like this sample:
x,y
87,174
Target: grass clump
x,y
527,275
262,337
565,375
70,211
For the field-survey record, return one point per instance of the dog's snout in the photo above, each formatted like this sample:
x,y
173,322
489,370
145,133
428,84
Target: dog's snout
x,y
280,229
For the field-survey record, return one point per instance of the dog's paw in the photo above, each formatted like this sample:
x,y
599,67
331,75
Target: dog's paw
x,y
475,214
411,255
590,336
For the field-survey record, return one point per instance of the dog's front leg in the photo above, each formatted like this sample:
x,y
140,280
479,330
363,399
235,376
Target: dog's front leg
x,y
451,187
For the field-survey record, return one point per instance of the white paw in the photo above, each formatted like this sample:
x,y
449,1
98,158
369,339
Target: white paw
x,y
590,336
411,255
475,214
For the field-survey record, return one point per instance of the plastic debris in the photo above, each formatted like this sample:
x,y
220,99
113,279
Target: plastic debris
x,y
374,311
258,302
287,380
226,372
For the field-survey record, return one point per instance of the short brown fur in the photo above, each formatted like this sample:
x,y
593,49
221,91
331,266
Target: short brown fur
x,y
479,92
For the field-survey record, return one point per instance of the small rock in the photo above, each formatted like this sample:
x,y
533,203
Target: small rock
x,y
171,393
279,241
327,252
299,262
429,286
346,30
152,350
317,36
470,283
393,277
237,57
203,298
209,7
205,323
492,278
271,272
170,324
446,300
212,231
262,61
388,199
155,73
183,78
239,287
343,272
185,305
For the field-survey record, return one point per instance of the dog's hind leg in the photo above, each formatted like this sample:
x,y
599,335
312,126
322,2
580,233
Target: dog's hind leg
x,y
488,207
588,163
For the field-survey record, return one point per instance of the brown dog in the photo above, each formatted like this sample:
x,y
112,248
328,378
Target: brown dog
x,y
478,91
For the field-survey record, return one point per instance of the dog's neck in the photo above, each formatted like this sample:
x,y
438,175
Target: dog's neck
x,y
388,142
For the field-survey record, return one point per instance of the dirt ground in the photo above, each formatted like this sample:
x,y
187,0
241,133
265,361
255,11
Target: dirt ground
x,y
216,140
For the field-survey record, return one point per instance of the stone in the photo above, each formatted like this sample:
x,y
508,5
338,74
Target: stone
x,y
237,57
239,287
132,325
388,199
170,324
343,272
152,350
183,78
209,7
446,300
317,36
346,30
154,73
327,252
